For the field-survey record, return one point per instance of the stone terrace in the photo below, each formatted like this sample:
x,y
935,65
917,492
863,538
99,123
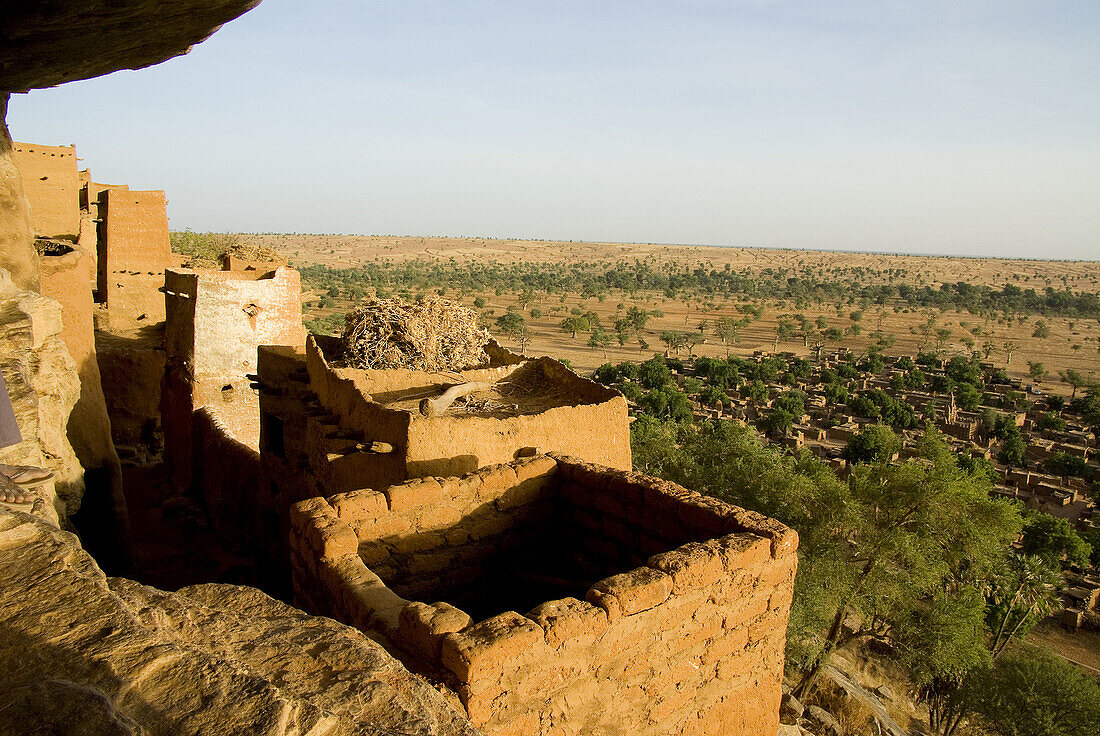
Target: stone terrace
x,y
638,592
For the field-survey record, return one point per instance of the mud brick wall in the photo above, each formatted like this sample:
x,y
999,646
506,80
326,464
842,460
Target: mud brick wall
x,y
435,536
52,183
216,319
90,217
593,426
136,228
231,262
90,194
283,386
227,473
337,472
329,578
133,251
689,641
131,372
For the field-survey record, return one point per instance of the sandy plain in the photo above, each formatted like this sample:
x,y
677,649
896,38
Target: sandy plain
x,y
1056,352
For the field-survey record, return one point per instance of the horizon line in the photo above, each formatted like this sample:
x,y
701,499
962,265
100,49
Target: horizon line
x,y
853,251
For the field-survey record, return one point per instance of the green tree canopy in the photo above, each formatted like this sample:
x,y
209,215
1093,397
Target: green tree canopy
x,y
777,421
654,373
964,370
792,402
575,324
1054,539
667,402
871,444
908,530
1035,693
969,398
1074,378
599,338
1013,449
511,323
638,317
877,548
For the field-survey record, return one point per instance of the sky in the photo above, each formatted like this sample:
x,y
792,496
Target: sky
x,y
968,127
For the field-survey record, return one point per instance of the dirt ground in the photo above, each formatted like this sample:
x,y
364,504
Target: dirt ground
x,y
1080,647
1056,352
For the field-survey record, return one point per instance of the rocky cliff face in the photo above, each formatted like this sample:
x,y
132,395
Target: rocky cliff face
x,y
65,275
17,254
84,654
43,385
47,43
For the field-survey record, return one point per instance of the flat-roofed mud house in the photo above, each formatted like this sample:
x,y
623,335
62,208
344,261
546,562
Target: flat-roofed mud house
x,y
326,428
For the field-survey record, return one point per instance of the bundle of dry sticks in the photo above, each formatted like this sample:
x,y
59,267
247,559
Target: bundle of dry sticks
x,y
431,335
253,252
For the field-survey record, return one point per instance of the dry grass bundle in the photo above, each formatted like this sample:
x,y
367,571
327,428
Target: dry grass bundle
x,y
432,335
253,252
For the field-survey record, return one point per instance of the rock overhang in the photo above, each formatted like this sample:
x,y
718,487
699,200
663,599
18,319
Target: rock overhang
x,y
46,43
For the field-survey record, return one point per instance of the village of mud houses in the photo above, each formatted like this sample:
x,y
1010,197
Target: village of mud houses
x,y
737,372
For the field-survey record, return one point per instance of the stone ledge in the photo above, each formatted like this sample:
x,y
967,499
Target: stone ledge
x,y
228,659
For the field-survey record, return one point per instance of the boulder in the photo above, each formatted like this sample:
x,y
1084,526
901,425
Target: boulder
x,y
84,654
823,721
791,730
790,709
884,692
43,386
17,254
846,685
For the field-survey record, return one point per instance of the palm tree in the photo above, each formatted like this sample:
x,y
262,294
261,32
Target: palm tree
x,y
1025,590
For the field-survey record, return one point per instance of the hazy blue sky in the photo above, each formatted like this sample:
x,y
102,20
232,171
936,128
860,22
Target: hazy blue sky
x,y
966,127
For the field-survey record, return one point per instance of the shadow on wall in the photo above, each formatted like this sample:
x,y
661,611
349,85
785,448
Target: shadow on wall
x,y
102,521
131,367
445,466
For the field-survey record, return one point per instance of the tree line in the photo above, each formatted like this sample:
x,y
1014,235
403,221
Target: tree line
x,y
593,279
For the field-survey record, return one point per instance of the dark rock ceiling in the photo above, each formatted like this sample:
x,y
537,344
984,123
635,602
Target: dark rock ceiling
x,y
48,42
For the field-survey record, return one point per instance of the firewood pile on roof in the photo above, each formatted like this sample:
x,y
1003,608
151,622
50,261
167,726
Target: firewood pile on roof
x,y
253,252
429,335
